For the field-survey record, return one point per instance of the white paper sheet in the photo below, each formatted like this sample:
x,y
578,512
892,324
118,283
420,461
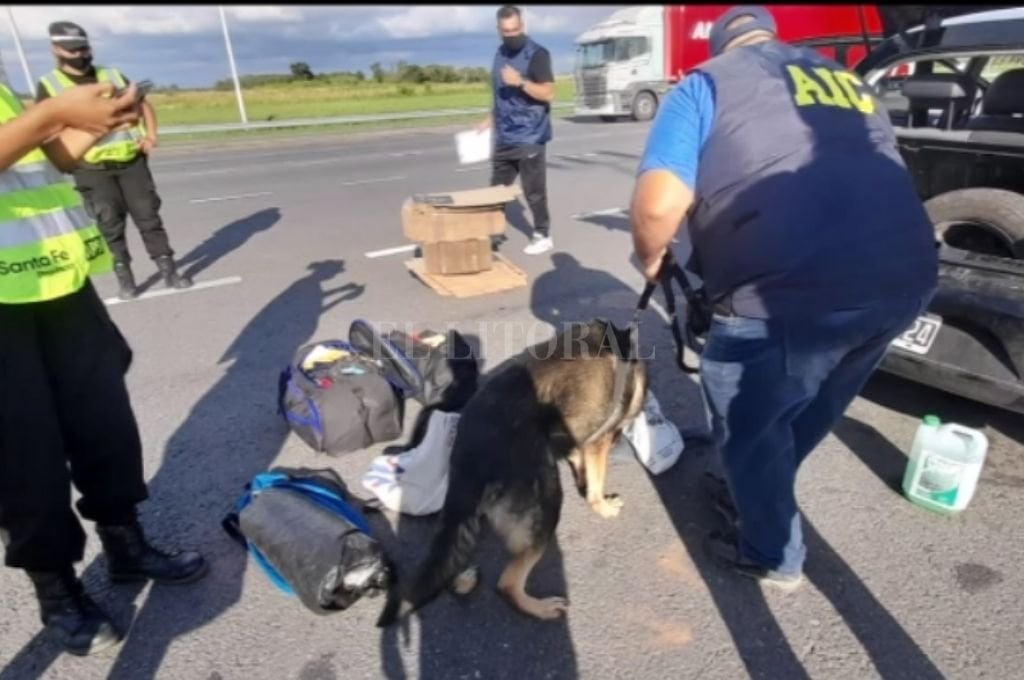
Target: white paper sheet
x,y
473,146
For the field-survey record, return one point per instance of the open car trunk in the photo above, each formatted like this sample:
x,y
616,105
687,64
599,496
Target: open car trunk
x,y
896,18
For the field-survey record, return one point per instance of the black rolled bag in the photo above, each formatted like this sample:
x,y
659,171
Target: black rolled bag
x,y
309,536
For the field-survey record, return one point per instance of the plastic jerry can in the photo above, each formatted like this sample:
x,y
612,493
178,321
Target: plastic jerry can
x,y
944,466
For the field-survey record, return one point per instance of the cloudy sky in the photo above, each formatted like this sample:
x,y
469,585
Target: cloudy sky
x,y
184,44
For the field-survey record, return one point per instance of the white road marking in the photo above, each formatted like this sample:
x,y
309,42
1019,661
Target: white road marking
x,y
391,251
173,291
203,173
315,161
229,198
359,182
475,168
599,213
400,154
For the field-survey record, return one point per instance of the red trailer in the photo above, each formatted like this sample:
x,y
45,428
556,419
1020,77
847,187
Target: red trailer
x,y
628,61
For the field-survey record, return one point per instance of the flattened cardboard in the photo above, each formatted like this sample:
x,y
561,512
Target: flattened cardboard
x,y
488,196
501,277
457,257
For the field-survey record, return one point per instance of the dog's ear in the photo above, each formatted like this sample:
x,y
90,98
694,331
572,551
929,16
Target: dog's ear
x,y
618,341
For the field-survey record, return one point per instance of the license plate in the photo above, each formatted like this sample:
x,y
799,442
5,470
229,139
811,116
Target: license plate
x,y
921,335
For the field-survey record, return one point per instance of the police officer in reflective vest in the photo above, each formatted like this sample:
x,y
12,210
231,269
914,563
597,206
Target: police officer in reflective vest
x,y
114,176
65,415
814,249
524,87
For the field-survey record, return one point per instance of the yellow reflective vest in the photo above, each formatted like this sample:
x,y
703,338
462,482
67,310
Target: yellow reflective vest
x,y
118,147
49,246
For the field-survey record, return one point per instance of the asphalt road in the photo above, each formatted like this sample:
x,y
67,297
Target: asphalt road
x,y
279,235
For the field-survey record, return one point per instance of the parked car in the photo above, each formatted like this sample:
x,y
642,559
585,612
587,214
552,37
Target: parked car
x,y
959,116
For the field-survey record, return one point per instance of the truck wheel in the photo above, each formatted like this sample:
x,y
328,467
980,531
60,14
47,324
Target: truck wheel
x,y
986,221
644,106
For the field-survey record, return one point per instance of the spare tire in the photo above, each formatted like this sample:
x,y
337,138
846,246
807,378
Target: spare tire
x,y
987,221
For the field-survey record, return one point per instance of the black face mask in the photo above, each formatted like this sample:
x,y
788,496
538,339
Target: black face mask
x,y
79,63
514,43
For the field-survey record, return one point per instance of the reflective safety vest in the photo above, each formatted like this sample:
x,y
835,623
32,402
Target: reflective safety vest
x,y
118,147
49,246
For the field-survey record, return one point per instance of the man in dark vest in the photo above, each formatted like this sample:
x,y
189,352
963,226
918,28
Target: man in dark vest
x,y
814,249
524,87
114,177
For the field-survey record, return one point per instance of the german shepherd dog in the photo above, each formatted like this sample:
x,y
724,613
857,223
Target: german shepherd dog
x,y
567,399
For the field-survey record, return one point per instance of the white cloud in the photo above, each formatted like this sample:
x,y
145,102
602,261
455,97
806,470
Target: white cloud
x,y
99,21
424,21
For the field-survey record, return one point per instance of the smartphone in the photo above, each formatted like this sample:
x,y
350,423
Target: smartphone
x,y
141,88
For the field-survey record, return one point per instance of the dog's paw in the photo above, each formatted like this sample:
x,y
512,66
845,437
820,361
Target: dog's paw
x,y
547,609
465,582
615,500
606,508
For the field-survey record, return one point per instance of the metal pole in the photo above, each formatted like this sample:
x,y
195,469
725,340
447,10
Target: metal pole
x,y
21,51
234,70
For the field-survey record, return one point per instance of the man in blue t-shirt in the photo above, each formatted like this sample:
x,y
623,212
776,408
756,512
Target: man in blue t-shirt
x,y
815,253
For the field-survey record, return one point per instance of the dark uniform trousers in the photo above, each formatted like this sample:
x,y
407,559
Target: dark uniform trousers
x,y
111,192
531,163
65,417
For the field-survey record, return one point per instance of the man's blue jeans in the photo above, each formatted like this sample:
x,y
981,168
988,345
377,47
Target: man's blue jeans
x,y
775,389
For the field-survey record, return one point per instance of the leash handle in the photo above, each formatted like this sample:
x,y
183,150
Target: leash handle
x,y
667,272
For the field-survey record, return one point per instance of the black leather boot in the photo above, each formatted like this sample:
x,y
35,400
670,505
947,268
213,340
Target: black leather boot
x,y
131,558
69,614
126,281
169,271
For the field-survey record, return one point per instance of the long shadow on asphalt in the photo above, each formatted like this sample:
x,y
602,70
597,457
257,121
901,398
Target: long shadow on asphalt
x,y
759,639
609,222
220,243
230,434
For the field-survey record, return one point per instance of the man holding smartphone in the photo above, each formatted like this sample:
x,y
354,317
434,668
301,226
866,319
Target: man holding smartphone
x,y
114,177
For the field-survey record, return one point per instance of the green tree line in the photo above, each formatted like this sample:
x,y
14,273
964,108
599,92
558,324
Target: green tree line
x,y
402,72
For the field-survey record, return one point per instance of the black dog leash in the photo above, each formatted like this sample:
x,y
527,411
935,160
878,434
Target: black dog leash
x,y
698,311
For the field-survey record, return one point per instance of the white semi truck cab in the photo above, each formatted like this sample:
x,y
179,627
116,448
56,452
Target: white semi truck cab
x,y
620,65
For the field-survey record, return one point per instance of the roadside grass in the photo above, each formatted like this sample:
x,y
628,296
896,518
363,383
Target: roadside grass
x,y
315,100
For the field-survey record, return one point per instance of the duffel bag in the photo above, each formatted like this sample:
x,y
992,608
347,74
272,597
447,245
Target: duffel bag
x,y
338,400
435,369
446,362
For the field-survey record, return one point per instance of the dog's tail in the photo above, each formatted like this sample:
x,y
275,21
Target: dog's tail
x,y
450,554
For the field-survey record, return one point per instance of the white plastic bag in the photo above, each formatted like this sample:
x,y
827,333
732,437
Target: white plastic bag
x,y
415,482
655,440
473,146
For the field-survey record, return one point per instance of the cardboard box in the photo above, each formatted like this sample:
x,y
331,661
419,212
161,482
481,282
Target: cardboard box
x,y
458,215
468,256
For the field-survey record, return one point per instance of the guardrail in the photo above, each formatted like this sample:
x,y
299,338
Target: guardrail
x,y
339,120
